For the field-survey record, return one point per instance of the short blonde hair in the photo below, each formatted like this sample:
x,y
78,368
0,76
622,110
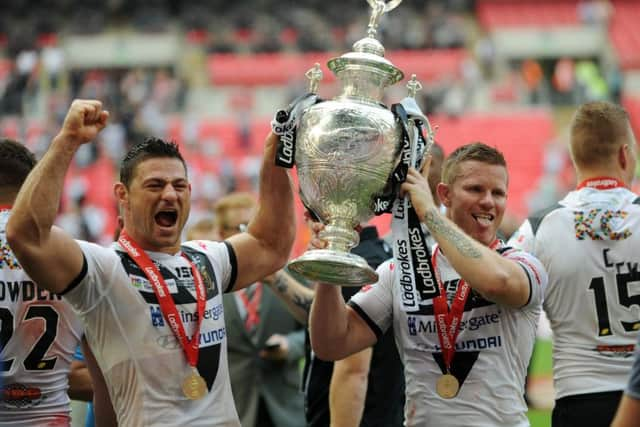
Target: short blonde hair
x,y
598,129
237,200
477,151
201,227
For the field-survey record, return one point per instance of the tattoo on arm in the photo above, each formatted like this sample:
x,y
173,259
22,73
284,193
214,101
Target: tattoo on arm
x,y
281,285
297,299
460,241
303,303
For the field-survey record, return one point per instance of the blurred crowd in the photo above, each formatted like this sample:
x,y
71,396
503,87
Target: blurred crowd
x,y
258,26
36,85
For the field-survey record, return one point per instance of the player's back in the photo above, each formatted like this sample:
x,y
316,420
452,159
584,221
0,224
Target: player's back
x,y
589,244
38,336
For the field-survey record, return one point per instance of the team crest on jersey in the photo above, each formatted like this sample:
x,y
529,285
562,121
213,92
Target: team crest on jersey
x,y
7,259
170,342
21,396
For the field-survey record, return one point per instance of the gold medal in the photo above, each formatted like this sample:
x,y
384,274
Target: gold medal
x,y
447,386
194,386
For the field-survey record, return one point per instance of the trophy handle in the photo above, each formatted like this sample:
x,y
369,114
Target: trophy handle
x,y
380,7
413,86
314,75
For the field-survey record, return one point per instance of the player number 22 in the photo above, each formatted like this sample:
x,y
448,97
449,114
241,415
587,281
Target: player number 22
x,y
35,360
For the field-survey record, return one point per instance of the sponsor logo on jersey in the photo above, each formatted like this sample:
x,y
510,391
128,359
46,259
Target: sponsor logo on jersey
x,y
623,351
212,337
405,275
211,313
20,396
157,320
480,343
206,339
427,325
138,282
168,341
142,284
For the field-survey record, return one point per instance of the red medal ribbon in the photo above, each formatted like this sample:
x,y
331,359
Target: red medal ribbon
x,y
167,305
252,306
448,320
601,183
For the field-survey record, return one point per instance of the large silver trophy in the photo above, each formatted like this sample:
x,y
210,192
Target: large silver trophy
x,y
346,149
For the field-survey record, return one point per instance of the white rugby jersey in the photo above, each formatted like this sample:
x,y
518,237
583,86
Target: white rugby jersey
x,y
143,363
492,349
38,336
590,245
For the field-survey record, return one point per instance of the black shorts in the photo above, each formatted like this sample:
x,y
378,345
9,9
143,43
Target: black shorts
x,y
589,409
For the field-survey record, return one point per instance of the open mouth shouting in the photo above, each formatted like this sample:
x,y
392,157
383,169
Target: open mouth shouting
x,y
166,218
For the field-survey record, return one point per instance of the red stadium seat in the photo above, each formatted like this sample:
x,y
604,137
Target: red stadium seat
x,y
521,136
516,13
624,35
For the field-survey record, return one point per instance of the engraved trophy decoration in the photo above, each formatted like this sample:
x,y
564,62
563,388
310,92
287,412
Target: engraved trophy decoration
x,y
345,151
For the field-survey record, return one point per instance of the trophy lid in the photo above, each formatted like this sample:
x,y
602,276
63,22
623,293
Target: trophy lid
x,y
368,53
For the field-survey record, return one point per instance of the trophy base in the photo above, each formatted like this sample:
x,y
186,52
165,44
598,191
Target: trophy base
x,y
335,268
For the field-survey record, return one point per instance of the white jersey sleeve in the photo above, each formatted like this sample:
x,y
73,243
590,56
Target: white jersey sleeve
x,y
535,272
374,303
93,282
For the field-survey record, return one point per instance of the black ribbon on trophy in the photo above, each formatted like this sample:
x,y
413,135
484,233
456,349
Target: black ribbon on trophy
x,y
284,125
414,270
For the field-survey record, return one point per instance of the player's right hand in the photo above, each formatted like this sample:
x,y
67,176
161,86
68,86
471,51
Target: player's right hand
x,y
84,120
316,228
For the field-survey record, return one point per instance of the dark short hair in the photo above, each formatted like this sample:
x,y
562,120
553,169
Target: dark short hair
x,y
597,131
16,161
477,151
149,148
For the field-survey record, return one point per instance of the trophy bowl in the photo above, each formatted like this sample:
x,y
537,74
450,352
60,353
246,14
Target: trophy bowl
x,y
346,149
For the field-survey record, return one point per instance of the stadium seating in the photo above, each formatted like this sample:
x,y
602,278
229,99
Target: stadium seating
x,y
283,68
624,35
516,13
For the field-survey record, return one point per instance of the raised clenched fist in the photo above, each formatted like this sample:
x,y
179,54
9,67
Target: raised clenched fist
x,y
84,120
